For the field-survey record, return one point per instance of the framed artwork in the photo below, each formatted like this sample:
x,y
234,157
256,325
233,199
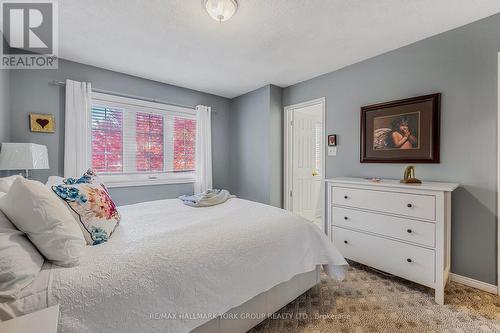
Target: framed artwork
x,y
403,131
44,123
332,140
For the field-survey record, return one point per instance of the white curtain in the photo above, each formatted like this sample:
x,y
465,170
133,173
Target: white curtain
x,y
203,149
77,127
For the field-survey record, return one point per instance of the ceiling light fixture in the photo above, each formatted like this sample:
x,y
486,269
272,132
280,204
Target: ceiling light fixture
x,y
221,10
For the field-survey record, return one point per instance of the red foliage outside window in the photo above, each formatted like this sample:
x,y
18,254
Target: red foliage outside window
x,y
149,140
184,144
150,150
107,140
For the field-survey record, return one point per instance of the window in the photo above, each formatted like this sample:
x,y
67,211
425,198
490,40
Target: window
x,y
135,142
184,144
107,143
149,139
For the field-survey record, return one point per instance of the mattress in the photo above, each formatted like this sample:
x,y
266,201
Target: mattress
x,y
170,267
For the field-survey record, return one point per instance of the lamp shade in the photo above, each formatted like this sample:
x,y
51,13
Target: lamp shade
x,y
23,156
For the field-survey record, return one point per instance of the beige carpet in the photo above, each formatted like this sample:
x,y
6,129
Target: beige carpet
x,y
372,302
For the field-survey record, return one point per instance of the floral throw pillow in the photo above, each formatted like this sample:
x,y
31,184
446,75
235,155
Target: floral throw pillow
x,y
91,205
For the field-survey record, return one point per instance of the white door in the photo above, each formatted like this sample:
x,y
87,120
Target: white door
x,y
306,151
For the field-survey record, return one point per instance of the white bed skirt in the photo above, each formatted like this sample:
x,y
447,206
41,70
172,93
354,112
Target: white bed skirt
x,y
246,316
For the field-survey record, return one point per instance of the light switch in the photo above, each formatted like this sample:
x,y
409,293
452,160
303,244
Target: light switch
x,y
332,151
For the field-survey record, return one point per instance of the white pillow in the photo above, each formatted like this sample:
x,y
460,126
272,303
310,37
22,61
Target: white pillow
x,y
6,182
34,209
54,180
20,261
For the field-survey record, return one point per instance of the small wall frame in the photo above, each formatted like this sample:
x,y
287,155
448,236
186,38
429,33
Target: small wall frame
x,y
43,123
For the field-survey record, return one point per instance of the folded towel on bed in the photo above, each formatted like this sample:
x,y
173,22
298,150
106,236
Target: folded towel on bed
x,y
207,198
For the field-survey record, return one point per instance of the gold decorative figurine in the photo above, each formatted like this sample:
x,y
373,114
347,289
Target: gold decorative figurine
x,y
409,176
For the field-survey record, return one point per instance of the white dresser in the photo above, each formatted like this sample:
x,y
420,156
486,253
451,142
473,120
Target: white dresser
x,y
397,228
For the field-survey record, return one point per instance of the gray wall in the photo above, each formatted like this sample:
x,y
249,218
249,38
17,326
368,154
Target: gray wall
x,y
32,93
249,163
130,195
462,64
4,106
276,145
256,145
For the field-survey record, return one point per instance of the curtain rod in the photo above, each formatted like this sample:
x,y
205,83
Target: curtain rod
x,y
102,91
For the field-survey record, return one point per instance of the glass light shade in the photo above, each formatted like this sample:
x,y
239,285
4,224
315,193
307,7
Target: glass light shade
x,y
221,10
23,156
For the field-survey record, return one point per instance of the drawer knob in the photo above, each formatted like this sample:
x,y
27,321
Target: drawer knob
x,y
345,242
409,260
409,205
345,197
409,231
346,218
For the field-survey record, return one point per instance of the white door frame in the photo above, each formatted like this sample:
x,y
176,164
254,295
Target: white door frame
x,y
498,179
287,159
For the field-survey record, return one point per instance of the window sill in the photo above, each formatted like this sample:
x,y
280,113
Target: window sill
x,y
146,182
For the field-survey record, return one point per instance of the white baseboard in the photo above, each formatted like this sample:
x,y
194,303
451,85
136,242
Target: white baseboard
x,y
490,288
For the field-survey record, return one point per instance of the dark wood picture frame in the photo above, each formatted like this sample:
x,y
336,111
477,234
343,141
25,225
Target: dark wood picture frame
x,y
332,140
428,147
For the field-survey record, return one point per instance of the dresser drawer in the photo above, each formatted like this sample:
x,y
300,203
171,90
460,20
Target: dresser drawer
x,y
397,227
407,261
413,205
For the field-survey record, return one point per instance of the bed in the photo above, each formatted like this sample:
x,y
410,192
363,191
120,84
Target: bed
x,y
173,268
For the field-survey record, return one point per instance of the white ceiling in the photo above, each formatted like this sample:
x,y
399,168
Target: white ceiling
x,y
281,42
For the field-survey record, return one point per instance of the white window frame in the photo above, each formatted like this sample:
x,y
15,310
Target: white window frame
x,y
149,178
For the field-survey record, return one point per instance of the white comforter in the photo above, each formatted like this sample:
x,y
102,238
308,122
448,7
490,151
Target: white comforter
x,y
167,259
